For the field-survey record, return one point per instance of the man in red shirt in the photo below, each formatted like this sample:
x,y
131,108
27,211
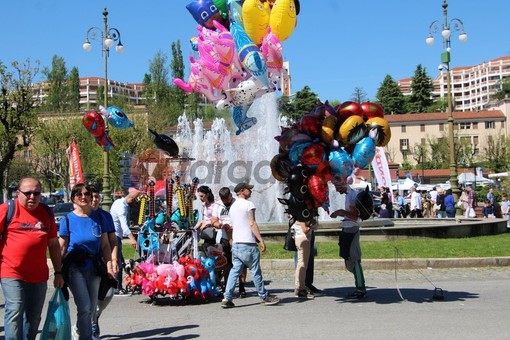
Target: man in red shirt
x,y
24,270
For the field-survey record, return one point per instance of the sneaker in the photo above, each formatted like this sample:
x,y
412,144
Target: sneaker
x,y
357,294
75,333
120,292
242,294
270,300
314,289
227,304
303,294
95,330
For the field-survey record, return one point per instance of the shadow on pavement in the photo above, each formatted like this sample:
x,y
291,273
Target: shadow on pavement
x,y
162,333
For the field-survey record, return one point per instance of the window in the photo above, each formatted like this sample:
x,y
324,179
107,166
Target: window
x,y
441,126
403,128
490,125
465,126
422,127
423,141
475,125
404,144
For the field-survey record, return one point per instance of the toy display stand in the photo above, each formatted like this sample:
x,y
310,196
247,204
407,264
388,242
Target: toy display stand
x,y
170,264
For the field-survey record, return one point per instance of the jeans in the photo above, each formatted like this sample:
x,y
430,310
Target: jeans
x,y
84,284
450,212
23,308
120,258
245,255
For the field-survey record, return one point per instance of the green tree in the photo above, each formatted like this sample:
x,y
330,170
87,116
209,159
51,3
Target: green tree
x,y
177,71
495,152
74,90
304,101
359,95
504,89
17,116
421,91
59,93
390,97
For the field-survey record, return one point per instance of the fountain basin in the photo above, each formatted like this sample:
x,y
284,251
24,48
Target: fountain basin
x,y
409,228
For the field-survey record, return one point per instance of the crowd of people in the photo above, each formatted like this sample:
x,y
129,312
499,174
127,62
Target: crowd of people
x,y
87,254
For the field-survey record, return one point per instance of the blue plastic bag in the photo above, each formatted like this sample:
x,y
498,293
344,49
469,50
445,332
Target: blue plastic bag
x,y
57,325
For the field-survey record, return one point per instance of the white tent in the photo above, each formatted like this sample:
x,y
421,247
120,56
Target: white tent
x,y
468,177
406,185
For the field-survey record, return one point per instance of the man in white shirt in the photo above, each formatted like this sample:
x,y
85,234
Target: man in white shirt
x,y
245,251
119,212
416,206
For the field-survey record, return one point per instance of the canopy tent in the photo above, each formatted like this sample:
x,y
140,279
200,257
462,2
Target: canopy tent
x,y
406,185
469,177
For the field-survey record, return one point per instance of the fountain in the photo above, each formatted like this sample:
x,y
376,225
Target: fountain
x,y
220,158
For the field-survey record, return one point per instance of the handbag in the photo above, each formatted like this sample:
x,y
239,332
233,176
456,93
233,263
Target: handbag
x,y
57,325
290,243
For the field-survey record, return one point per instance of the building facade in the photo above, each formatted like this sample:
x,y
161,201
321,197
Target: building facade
x,y
472,86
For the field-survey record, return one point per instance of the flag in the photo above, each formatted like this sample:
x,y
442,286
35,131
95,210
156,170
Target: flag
x,y
381,169
75,169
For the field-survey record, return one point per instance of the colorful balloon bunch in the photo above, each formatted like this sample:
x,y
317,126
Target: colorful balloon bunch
x,y
183,278
327,142
240,52
95,125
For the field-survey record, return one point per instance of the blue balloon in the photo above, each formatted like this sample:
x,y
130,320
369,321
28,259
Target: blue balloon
x,y
363,153
118,118
296,150
340,163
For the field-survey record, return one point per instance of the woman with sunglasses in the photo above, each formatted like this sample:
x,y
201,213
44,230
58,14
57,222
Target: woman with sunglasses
x,y
83,242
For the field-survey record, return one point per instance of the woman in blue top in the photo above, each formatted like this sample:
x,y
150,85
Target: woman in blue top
x,y
449,203
83,242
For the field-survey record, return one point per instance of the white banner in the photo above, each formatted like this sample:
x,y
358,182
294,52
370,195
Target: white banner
x,y
381,169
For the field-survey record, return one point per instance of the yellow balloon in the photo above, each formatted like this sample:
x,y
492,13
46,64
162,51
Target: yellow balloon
x,y
283,18
352,130
328,129
255,19
382,128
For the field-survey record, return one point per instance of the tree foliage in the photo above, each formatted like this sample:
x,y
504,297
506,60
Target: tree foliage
x,y
63,87
390,97
17,116
359,95
504,89
421,91
304,101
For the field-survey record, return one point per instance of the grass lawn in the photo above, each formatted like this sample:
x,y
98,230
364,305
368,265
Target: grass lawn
x,y
483,246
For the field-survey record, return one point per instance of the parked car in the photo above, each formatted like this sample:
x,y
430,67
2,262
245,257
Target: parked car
x,y
60,210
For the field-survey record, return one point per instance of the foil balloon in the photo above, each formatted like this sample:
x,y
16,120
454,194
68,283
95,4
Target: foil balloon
x,y
340,163
328,129
204,12
242,121
324,170
382,130
221,5
235,11
281,167
318,188
289,136
365,204
311,125
347,109
94,123
116,117
313,155
301,209
363,152
298,181
352,130
371,110
283,18
296,150
255,19
165,143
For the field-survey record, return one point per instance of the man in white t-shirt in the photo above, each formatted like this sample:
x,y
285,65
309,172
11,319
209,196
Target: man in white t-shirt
x,y
416,205
245,251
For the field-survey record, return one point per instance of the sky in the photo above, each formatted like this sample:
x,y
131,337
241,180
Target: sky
x,y
336,46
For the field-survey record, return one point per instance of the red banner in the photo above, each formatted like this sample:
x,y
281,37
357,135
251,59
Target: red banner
x,y
75,169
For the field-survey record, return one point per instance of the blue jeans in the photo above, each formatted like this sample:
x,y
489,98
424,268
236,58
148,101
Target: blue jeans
x,y
23,308
245,255
84,284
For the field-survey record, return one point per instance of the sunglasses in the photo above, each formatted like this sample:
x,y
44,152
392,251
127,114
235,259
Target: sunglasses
x,y
30,193
81,194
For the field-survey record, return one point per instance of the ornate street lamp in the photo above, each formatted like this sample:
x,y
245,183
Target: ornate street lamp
x,y
447,26
108,37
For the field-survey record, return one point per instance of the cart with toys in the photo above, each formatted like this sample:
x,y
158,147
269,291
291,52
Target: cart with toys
x,y
170,264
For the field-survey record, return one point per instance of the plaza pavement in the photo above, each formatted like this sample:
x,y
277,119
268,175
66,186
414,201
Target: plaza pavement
x,y
400,305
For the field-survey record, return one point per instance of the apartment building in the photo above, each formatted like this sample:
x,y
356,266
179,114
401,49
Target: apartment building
x,y
89,88
472,86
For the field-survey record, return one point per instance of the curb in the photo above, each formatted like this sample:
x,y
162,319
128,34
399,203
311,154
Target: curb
x,y
388,264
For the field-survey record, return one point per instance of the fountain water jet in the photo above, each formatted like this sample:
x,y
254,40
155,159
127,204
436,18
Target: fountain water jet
x,y
224,159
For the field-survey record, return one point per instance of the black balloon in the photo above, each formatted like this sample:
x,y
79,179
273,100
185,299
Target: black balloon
x,y
165,143
365,204
298,181
301,208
